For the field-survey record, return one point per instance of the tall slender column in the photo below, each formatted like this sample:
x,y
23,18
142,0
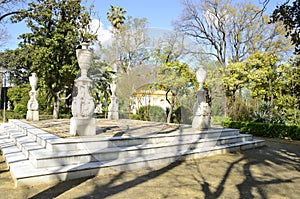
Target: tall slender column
x,y
202,110
82,122
113,108
33,105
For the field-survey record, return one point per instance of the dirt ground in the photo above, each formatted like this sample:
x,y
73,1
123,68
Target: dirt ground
x,y
268,172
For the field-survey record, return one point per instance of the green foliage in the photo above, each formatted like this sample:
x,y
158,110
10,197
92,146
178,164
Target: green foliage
x,y
21,109
215,88
17,64
157,114
177,79
150,113
258,72
289,14
266,130
288,97
19,94
262,78
134,116
239,110
183,115
218,120
116,16
263,75
266,114
13,115
235,77
57,28
101,75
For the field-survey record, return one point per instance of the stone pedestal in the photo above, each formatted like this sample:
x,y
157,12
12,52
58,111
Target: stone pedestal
x,y
201,119
82,127
32,115
201,122
113,108
202,110
33,105
82,123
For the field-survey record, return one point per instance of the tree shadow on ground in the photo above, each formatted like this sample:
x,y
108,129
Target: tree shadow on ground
x,y
205,186
60,188
262,157
109,189
106,190
245,188
266,156
273,155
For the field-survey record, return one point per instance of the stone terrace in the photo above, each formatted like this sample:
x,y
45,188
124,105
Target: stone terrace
x,y
36,156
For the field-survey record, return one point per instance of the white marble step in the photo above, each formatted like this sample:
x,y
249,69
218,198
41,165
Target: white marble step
x,y
55,143
35,156
38,135
24,172
125,141
41,157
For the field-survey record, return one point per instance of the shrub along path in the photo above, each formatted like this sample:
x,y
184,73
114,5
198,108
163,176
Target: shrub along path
x,y
269,172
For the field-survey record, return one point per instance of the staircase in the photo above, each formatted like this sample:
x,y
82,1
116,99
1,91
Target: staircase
x,y
35,156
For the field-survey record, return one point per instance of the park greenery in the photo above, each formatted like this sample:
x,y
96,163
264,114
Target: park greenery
x,y
251,58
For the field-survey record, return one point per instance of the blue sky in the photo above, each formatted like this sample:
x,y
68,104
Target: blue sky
x,y
159,13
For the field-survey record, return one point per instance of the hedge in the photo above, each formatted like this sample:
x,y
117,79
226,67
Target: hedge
x,y
150,113
265,130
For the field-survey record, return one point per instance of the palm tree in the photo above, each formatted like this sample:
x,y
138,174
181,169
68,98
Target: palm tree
x,y
116,15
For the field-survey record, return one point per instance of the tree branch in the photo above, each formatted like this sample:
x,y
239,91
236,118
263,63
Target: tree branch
x,y
62,98
12,13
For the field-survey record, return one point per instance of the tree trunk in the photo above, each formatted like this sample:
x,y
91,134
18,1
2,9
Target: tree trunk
x,y
170,114
172,102
57,100
271,98
56,107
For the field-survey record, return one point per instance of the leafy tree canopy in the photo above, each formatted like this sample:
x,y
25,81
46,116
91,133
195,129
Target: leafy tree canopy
x,y
116,15
57,28
289,14
17,63
176,78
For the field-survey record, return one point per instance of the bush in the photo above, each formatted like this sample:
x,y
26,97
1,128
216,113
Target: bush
x,y
266,114
218,120
157,114
13,115
134,117
143,113
20,109
150,113
183,115
239,110
265,130
45,117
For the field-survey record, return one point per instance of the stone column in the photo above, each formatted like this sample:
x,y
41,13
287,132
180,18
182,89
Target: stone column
x,y
113,108
202,110
33,105
82,123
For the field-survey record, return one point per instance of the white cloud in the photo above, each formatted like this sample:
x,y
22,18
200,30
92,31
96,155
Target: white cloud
x,y
104,34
